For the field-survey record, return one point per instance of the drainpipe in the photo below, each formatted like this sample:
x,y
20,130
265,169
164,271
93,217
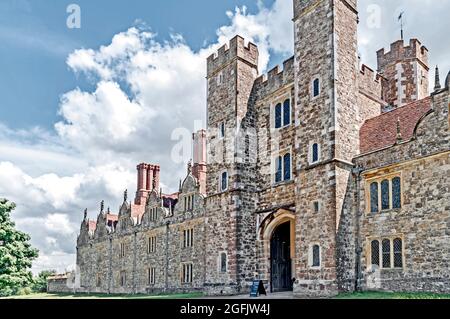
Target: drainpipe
x,y
358,249
166,273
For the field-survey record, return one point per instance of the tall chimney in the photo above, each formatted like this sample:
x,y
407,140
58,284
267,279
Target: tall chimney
x,y
150,176
142,192
199,158
156,170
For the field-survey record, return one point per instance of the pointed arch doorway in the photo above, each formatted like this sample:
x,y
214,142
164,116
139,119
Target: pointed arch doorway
x,y
278,238
280,258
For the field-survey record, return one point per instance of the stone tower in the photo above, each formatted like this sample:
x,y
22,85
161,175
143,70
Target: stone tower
x,y
326,64
405,73
230,75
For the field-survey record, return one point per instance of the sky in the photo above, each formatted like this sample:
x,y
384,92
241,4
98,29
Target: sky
x,y
80,107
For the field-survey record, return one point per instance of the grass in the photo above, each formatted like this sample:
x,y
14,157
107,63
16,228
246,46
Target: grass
x,y
392,295
105,296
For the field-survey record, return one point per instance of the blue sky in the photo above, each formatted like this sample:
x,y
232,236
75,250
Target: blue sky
x,y
36,43
81,107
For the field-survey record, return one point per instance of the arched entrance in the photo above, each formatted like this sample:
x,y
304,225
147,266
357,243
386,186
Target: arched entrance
x,y
280,258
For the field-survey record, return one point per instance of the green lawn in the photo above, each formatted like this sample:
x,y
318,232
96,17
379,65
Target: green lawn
x,y
105,296
392,295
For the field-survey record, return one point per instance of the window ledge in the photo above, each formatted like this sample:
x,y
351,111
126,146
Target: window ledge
x,y
282,183
385,211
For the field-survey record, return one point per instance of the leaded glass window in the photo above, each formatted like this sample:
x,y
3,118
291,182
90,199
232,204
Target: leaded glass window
x,y
398,256
278,170
375,252
385,195
386,247
287,167
374,197
278,110
315,153
316,256
396,193
287,112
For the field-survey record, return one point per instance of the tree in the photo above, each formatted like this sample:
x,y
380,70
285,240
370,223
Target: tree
x,y
16,253
40,282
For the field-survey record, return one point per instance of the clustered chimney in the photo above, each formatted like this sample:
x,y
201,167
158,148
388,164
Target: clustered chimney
x,y
199,157
147,180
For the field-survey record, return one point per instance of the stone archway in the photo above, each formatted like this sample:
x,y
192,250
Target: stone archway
x,y
277,234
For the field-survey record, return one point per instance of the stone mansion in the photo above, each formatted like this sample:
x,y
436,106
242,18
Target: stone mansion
x,y
321,177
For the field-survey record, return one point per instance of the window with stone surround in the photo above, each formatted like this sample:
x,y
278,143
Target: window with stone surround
x,y
314,256
388,255
153,214
122,250
283,167
151,275
315,87
314,153
316,207
186,273
188,237
384,193
223,262
123,278
188,203
223,181
282,113
151,244
221,130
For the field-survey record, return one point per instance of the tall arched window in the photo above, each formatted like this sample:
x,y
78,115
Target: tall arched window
x,y
385,201
287,166
375,252
287,112
396,193
386,247
398,256
374,197
278,111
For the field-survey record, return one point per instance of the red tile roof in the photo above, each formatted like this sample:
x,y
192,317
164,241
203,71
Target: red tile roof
x,y
381,131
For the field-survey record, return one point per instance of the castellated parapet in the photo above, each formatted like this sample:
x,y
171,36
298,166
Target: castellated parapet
x,y
405,73
236,49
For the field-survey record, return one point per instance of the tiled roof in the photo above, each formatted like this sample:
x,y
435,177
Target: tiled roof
x,y
381,131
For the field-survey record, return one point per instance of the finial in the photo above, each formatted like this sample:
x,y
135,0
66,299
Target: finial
x,y
189,166
108,211
180,186
125,195
399,133
102,206
437,80
400,18
85,213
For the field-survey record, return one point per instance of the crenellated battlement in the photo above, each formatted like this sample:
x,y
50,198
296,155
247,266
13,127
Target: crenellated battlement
x,y
369,81
400,52
277,75
236,49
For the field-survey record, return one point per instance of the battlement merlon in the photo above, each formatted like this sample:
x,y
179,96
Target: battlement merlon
x,y
277,73
236,49
399,52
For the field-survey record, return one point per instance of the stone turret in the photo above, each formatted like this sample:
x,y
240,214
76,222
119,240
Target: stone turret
x,y
405,73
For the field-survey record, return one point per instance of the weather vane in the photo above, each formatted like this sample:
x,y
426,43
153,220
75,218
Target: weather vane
x,y
400,18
